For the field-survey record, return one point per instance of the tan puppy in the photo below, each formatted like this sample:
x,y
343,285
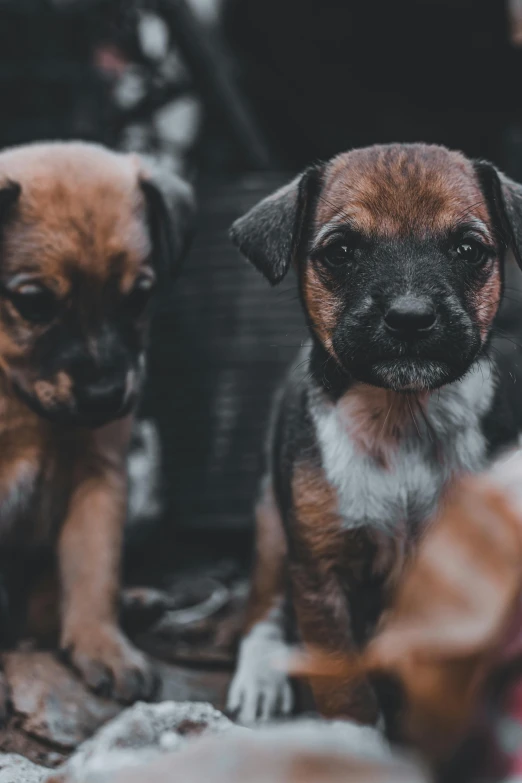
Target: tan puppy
x,y
84,234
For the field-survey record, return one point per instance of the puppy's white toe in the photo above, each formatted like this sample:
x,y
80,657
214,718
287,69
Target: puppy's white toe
x,y
260,691
259,696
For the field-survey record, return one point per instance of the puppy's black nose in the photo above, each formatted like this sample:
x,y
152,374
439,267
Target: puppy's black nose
x,y
101,400
410,316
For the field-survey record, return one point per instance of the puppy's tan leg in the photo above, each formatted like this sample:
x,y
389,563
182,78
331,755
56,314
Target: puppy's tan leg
x,y
43,609
89,559
319,563
260,688
324,625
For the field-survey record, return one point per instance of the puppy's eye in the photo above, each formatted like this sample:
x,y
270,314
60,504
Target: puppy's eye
x,y
471,251
139,297
35,304
340,253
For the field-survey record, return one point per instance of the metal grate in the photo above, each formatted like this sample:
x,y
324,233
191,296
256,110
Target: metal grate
x,y
222,341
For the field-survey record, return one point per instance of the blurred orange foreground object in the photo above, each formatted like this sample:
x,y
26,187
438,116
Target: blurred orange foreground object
x,y
309,752
455,613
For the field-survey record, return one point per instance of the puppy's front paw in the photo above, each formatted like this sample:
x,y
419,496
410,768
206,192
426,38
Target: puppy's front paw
x,y
109,664
260,691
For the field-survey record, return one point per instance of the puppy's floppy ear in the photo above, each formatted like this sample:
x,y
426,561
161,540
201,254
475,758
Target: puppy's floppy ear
x,y
170,213
271,234
504,200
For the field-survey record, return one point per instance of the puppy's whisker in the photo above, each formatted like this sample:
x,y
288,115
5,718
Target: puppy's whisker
x,y
413,415
339,212
469,209
506,336
510,298
301,364
429,426
386,420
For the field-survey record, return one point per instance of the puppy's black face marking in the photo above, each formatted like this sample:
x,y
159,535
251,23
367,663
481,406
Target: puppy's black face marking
x,y
408,313
399,251
84,348
84,233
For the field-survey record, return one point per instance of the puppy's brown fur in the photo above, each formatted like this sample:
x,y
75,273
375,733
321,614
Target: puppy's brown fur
x,y
455,620
419,192
78,227
367,438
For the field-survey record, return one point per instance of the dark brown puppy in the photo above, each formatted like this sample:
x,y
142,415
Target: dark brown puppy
x,y
454,624
399,254
84,235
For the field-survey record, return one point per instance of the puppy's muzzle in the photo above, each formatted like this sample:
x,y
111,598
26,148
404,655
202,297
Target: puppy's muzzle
x,y
410,317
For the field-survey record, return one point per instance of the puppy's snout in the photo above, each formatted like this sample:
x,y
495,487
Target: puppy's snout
x,y
410,316
101,400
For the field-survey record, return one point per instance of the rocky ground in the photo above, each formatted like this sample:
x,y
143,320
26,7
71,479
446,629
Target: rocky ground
x,y
191,741
59,732
188,630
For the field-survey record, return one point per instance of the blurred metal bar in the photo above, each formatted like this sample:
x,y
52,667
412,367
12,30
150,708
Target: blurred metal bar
x,y
209,68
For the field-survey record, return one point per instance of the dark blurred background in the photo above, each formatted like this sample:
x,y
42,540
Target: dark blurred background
x,y
238,95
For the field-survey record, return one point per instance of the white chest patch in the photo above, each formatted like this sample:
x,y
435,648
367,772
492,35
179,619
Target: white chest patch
x,y
389,460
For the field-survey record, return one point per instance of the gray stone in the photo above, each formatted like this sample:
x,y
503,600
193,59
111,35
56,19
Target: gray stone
x,y
16,769
304,751
180,684
53,706
138,735
52,702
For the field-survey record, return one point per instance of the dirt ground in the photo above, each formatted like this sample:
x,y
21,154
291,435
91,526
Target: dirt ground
x,y
189,629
